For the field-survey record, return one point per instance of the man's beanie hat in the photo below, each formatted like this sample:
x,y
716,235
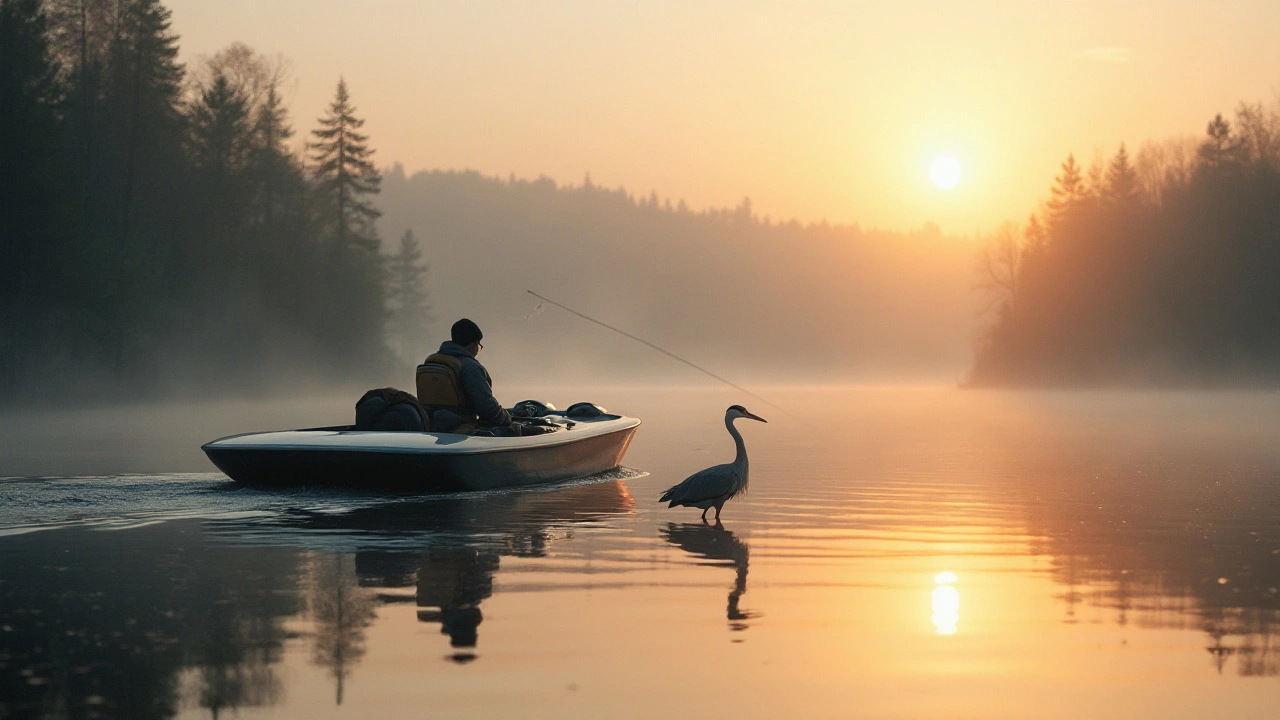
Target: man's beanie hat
x,y
465,332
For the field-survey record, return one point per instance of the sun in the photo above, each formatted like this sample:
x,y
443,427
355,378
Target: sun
x,y
945,172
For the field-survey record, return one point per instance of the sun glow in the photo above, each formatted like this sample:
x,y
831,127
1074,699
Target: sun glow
x,y
946,604
945,172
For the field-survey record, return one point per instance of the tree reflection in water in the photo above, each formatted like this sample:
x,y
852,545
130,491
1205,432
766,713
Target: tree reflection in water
x,y
140,623
713,542
1178,549
341,610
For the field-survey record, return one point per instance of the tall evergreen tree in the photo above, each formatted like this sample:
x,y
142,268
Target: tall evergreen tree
x,y
80,35
271,164
345,172
29,130
1095,177
220,139
29,186
353,305
1068,188
134,216
146,83
1219,147
1122,179
410,313
1037,237
220,129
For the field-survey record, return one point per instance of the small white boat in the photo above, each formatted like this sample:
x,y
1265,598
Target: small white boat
x,y
423,461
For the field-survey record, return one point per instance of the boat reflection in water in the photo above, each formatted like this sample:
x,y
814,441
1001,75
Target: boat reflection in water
x,y
190,613
449,583
446,548
723,549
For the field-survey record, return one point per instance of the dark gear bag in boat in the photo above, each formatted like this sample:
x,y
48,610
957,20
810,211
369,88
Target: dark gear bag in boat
x,y
390,409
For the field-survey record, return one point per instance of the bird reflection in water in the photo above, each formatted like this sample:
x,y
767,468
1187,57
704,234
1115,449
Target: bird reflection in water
x,y
714,543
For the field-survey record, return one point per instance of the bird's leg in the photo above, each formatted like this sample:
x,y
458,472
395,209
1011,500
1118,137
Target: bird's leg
x,y
717,514
704,513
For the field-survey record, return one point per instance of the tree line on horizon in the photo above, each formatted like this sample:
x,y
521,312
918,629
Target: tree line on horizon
x,y
156,222
1154,269
753,298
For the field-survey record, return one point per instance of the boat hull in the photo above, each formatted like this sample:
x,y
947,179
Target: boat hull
x,y
420,462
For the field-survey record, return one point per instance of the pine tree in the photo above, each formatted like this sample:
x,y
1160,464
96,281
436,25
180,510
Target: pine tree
x,y
220,143
1068,188
29,128
146,83
1095,178
271,171
30,191
271,164
220,136
345,173
1037,237
80,35
1122,179
1219,149
407,296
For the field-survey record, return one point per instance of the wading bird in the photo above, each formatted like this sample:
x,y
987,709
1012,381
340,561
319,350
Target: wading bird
x,y
712,487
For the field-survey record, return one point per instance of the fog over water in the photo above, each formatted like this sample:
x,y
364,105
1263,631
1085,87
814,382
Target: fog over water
x,y
918,552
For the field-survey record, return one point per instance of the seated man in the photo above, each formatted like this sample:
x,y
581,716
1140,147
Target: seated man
x,y
476,383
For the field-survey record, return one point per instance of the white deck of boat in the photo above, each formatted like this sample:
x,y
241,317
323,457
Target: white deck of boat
x,y
415,442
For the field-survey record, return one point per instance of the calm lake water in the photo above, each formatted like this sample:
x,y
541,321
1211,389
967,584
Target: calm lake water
x,y
902,553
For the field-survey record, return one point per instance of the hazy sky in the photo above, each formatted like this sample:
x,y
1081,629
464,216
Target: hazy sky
x,y
812,109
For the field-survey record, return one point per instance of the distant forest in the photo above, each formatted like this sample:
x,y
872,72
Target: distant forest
x,y
1158,268
756,299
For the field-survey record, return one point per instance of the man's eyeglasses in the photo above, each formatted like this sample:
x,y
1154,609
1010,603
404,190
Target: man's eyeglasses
x,y
480,345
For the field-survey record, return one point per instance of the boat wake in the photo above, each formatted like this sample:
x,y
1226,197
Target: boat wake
x,y
132,501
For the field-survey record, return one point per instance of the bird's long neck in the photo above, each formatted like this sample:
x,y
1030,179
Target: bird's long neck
x,y
741,459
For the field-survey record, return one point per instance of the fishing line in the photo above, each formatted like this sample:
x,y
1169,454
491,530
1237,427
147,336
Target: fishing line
x,y
536,312
668,353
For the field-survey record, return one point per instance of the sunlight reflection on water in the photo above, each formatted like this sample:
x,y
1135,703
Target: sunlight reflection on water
x,y
946,603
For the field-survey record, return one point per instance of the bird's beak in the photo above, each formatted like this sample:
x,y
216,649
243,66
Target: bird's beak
x,y
755,417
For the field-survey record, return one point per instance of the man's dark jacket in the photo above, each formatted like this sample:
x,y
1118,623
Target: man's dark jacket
x,y
477,384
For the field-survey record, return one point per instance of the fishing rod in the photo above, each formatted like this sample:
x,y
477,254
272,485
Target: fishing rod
x,y
668,353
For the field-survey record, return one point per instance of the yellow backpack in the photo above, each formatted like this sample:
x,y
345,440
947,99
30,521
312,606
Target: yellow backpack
x,y
440,386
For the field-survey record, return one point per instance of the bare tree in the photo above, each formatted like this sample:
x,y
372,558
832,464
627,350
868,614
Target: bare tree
x,y
251,75
1096,175
1165,165
1000,267
1258,128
